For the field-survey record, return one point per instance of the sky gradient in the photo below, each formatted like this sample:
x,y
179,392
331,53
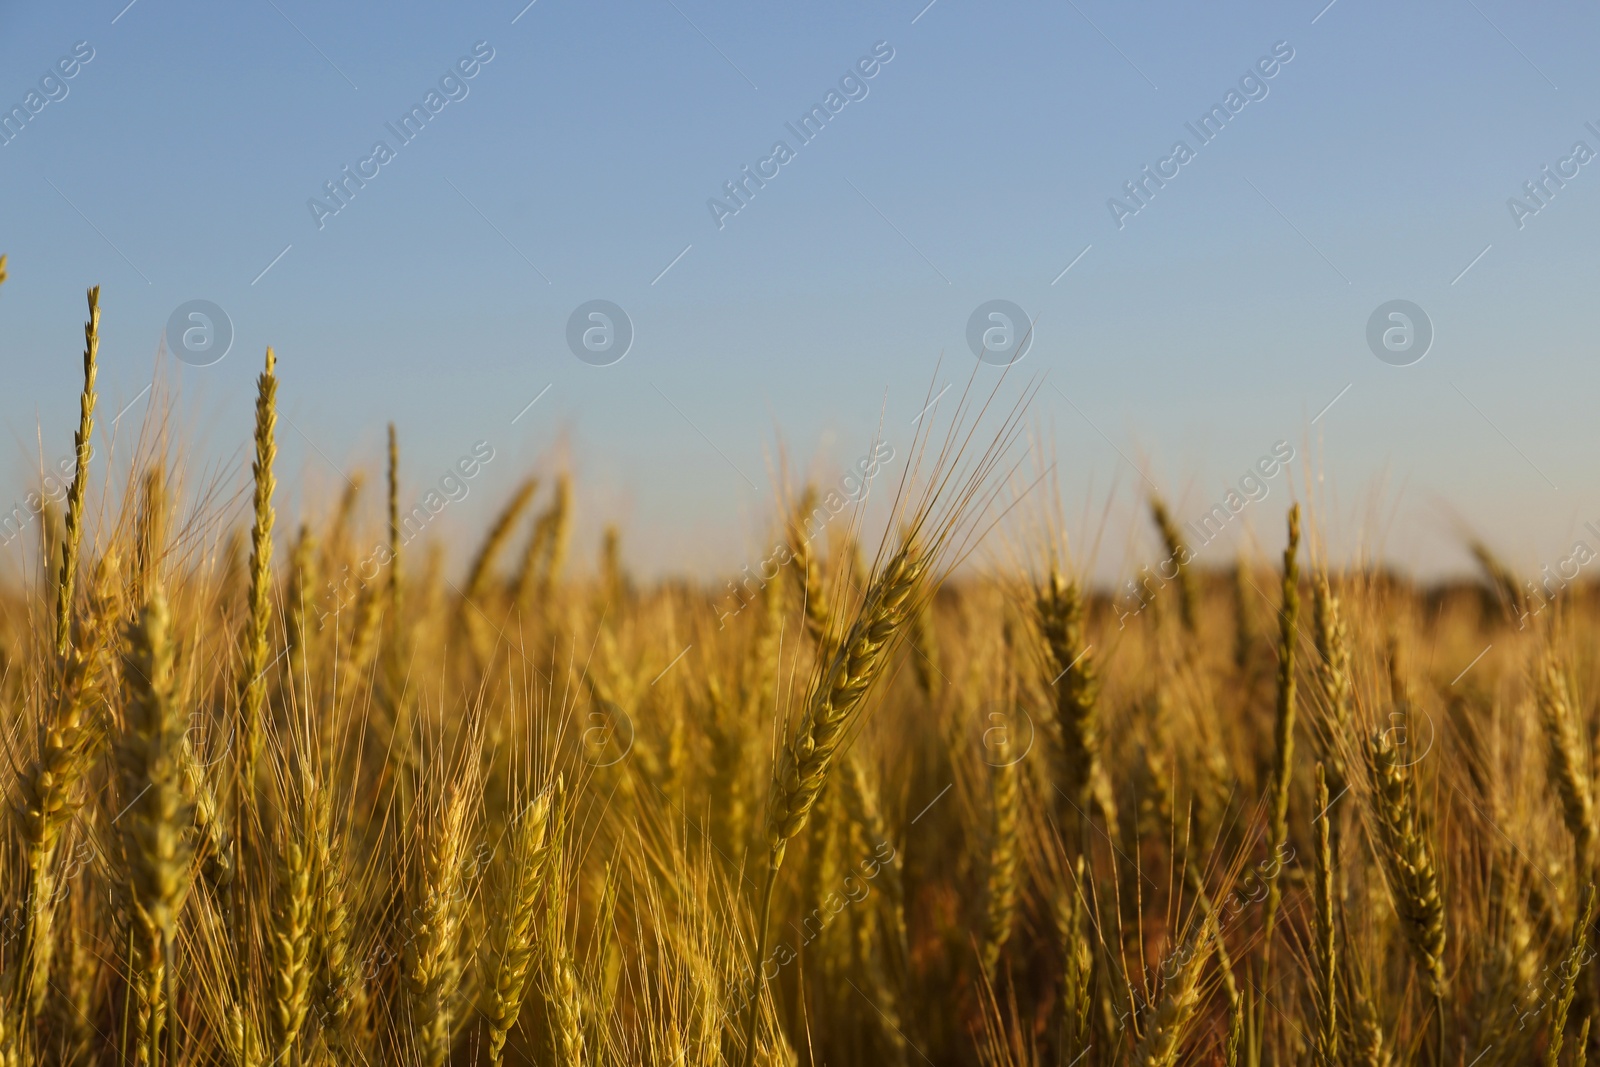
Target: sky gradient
x,y
1178,343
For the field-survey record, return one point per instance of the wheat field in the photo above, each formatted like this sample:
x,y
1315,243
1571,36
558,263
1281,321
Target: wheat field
x,y
297,790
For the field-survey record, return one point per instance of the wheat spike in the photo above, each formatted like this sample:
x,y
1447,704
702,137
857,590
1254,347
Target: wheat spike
x,y
1178,553
1569,764
290,940
1407,859
514,939
1180,996
495,539
300,597
831,708
1060,610
808,572
339,993
68,740
1283,729
394,521
157,849
73,532
560,535
835,700
1004,856
252,680
432,962
1326,956
1574,964
1333,677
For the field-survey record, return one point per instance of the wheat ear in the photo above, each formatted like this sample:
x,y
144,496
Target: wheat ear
x,y
68,740
291,934
394,521
831,708
560,981
1569,764
1326,956
1575,962
1178,553
157,847
1004,855
861,800
560,535
1180,996
339,993
1407,859
1061,613
298,628
513,940
495,539
1283,730
252,681
80,476
1333,678
808,571
432,963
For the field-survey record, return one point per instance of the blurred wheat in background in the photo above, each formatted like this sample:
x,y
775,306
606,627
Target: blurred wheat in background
x,y
900,813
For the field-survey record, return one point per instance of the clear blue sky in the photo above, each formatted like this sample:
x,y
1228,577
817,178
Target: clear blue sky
x,y
1219,319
